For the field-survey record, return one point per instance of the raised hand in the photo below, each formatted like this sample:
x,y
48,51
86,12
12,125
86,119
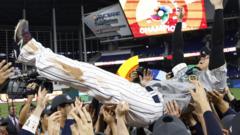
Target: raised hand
x,y
217,98
31,87
180,14
5,71
109,116
78,103
200,99
42,98
74,129
218,4
173,109
121,109
147,77
54,123
229,94
84,122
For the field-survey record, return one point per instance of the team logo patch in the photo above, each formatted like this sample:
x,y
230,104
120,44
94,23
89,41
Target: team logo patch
x,y
68,97
49,107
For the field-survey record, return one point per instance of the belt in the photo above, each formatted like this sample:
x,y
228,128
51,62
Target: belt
x,y
155,97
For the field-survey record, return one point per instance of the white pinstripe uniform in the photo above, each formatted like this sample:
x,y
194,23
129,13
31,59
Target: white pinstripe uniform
x,y
110,88
104,86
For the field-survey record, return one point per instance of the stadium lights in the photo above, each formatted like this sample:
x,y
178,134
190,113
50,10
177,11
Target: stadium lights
x,y
186,55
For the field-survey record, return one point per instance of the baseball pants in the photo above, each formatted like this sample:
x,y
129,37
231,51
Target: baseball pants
x,y
100,84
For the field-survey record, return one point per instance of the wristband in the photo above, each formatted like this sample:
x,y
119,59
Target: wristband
x,y
31,124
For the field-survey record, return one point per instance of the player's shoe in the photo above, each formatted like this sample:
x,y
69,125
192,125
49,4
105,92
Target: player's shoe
x,y
21,33
21,36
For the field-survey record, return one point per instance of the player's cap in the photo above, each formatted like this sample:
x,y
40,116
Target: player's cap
x,y
47,110
205,51
231,123
169,125
61,100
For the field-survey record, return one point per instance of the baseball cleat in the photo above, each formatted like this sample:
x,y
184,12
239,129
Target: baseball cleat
x,y
21,32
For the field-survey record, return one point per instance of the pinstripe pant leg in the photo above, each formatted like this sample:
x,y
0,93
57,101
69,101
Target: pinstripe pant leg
x,y
103,85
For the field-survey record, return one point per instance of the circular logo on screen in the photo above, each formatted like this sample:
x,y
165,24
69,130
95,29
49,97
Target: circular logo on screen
x,y
162,14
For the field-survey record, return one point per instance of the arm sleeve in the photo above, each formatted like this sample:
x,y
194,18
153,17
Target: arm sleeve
x,y
177,45
197,129
217,64
25,132
217,58
229,111
218,77
67,127
235,104
213,128
31,124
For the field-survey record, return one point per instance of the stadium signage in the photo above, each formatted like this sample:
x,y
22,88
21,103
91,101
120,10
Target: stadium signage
x,y
107,22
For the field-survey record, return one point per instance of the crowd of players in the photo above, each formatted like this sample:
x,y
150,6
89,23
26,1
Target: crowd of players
x,y
210,112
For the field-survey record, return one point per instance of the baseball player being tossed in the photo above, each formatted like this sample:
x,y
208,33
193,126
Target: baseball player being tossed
x,y
145,103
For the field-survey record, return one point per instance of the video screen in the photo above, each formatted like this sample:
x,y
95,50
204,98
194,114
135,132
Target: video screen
x,y
155,17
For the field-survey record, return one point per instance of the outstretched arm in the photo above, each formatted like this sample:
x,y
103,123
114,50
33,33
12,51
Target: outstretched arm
x,y
177,41
217,58
120,111
26,109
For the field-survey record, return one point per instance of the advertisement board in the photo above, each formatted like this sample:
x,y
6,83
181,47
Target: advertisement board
x,y
109,21
154,17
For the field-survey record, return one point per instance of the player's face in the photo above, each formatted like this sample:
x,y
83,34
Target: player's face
x,y
44,121
12,110
203,62
65,110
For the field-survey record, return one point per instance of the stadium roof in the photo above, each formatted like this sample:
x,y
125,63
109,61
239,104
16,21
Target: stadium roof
x,y
68,12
